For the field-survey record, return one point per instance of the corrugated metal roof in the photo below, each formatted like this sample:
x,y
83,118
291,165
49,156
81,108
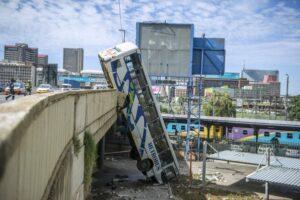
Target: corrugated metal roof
x,y
276,175
256,159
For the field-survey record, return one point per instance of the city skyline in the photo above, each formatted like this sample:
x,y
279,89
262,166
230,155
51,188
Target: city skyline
x,y
261,34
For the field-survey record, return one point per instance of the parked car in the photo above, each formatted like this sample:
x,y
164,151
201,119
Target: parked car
x,y
19,88
66,87
100,86
295,153
44,88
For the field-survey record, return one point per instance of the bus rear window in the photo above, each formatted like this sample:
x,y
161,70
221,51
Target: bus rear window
x,y
165,158
161,144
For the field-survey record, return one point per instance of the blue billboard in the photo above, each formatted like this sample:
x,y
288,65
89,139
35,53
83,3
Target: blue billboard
x,y
213,56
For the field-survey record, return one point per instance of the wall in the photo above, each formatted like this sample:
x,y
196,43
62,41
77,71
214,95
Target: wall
x,y
37,154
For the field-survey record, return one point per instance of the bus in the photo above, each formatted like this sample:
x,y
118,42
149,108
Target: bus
x,y
123,70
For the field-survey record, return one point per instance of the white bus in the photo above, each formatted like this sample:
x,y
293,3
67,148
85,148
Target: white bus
x,y
123,70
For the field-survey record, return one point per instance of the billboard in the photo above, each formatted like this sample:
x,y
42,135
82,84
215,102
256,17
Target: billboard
x,y
166,49
213,56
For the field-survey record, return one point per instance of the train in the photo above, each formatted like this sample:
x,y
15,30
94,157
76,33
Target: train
x,y
238,134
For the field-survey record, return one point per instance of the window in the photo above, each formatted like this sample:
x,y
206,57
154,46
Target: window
x,y
217,129
192,128
201,128
182,128
116,64
290,135
266,134
245,132
174,126
278,134
230,130
128,62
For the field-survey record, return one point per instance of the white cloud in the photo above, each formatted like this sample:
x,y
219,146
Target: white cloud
x,y
265,33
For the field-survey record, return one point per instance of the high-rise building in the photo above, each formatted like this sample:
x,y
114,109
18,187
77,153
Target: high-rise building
x,y
42,60
50,73
20,52
19,71
73,59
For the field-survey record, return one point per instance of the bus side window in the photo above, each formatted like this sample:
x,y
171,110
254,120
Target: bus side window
x,y
245,132
192,128
182,128
278,134
290,135
201,128
173,126
229,130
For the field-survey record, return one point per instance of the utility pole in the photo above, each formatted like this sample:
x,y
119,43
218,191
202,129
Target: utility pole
x,y
267,184
286,96
121,27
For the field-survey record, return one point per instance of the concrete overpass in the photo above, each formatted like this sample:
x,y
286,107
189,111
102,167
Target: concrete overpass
x,y
42,142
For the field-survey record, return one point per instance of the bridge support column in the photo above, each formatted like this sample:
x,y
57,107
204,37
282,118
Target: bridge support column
x,y
100,150
256,138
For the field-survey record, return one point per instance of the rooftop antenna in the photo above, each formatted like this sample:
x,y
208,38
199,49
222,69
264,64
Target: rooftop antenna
x,y
121,27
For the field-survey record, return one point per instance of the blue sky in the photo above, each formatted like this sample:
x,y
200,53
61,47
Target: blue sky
x,y
263,34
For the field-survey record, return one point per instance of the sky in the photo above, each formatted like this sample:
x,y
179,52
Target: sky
x,y
261,34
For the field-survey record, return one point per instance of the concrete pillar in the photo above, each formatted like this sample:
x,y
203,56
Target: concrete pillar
x,y
256,138
100,150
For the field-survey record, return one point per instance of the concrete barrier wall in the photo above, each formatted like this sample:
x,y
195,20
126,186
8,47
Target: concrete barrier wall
x,y
36,142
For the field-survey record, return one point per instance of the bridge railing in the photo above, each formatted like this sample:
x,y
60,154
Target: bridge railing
x,y
36,142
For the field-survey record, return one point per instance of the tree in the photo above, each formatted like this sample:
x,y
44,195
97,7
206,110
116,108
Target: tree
x,y
294,109
220,105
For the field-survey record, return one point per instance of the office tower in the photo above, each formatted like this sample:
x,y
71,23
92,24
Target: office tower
x,y
20,52
73,59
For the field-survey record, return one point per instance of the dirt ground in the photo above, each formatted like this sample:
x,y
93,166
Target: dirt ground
x,y
119,179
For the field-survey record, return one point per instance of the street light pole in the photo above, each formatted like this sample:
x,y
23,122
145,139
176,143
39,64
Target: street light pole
x,y
286,96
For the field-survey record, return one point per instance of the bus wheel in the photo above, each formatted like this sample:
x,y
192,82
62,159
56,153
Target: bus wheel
x,y
144,165
134,154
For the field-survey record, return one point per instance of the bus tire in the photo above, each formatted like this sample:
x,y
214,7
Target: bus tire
x,y
134,154
144,165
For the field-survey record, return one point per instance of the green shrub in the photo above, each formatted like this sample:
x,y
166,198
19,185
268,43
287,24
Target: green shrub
x,y
90,156
77,145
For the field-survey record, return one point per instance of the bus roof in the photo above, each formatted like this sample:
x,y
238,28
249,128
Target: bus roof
x,y
119,49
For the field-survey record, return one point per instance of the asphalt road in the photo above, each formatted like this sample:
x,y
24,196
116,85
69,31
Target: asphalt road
x,y
2,98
